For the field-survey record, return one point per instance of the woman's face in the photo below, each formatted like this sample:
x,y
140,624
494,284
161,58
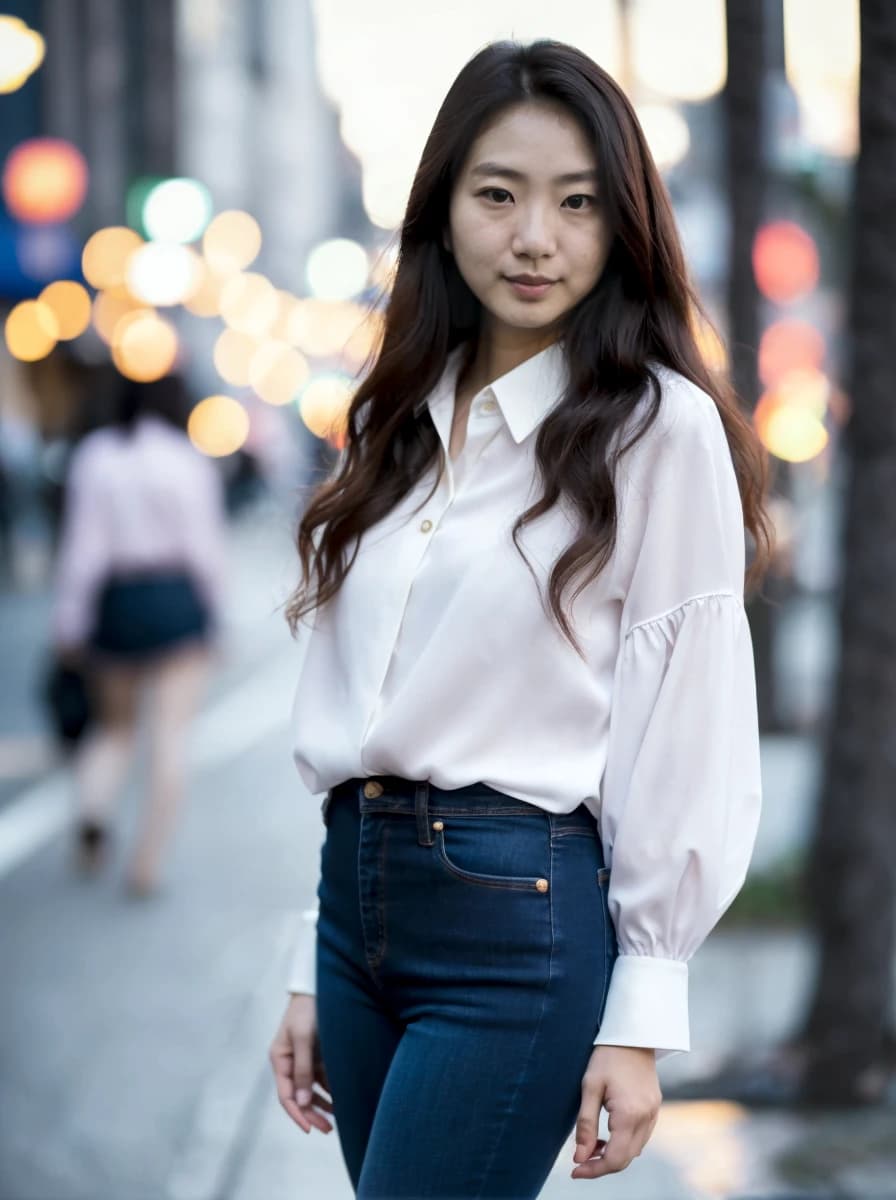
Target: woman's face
x,y
513,213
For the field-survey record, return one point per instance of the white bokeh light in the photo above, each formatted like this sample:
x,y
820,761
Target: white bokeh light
x,y
177,210
163,273
337,269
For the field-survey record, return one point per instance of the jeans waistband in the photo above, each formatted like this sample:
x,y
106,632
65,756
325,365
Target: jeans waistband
x,y
423,799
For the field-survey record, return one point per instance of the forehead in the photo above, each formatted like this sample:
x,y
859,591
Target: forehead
x,y
538,138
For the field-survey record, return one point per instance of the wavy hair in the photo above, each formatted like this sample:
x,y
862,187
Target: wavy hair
x,y
642,310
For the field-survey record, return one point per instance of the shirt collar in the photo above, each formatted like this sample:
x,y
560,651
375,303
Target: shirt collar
x,y
524,394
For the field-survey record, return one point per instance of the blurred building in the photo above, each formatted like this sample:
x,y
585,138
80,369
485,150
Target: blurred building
x,y
223,91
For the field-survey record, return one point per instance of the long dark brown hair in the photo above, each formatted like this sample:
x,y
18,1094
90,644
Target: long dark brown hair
x,y
642,310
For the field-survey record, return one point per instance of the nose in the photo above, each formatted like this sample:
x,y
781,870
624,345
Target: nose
x,y
534,235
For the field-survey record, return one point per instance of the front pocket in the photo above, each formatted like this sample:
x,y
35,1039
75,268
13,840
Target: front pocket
x,y
463,847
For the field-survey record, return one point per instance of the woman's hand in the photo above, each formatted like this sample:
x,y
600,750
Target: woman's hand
x,y
623,1080
295,1057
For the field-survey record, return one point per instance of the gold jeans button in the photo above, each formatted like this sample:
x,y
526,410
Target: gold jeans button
x,y
438,824
541,885
372,789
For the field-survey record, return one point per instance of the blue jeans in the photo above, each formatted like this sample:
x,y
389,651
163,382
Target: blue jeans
x,y
464,951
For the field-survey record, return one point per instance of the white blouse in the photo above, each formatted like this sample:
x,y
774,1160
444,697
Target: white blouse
x,y
436,660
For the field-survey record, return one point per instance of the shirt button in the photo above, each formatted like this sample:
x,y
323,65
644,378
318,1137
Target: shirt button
x,y
426,525
489,405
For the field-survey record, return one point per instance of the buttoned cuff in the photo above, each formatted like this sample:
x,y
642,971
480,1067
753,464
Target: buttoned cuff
x,y
647,1005
303,968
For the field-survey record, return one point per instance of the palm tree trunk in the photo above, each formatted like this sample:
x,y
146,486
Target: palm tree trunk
x,y
852,871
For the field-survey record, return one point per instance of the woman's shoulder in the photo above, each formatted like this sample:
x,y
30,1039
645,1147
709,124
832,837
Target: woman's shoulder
x,y
685,409
685,439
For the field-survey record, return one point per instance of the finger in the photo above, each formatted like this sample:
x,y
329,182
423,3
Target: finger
x,y
283,1065
615,1157
587,1124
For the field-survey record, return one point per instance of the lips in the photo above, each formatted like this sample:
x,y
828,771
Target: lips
x,y
531,280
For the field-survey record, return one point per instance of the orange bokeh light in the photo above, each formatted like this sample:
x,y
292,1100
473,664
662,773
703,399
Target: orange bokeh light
x,y
787,346
785,261
44,180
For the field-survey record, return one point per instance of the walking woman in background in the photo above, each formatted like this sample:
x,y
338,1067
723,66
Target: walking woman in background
x,y
535,810
138,601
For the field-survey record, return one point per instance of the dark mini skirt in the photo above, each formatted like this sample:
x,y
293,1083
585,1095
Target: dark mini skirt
x,y
141,615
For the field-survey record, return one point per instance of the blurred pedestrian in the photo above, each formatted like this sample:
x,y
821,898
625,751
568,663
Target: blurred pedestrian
x,y
139,588
533,816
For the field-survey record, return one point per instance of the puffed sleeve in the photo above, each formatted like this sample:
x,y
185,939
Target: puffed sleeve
x,y
681,791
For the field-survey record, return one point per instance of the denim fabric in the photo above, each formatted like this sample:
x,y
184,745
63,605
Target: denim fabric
x,y
462,974
140,615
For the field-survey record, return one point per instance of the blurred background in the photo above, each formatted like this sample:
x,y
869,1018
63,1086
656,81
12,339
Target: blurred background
x,y
211,189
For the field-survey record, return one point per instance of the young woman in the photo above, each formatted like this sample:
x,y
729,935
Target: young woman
x,y
537,805
138,598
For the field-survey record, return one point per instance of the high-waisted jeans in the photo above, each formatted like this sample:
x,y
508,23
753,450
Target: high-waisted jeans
x,y
464,951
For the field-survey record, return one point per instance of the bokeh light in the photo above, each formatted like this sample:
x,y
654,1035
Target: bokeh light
x,y
232,355
785,261
249,303
31,330
44,180
712,348
324,403
287,304
231,242
821,51
109,308
22,51
70,304
177,210
786,345
365,341
218,426
104,260
144,346
206,299
337,269
164,273
679,50
789,417
324,327
667,133
277,371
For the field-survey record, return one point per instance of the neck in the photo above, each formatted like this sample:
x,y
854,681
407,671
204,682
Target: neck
x,y
498,352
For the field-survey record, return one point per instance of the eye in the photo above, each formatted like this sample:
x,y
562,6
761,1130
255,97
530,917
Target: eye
x,y
592,201
492,191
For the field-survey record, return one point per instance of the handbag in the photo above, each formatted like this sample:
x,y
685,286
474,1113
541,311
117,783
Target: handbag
x,y
66,694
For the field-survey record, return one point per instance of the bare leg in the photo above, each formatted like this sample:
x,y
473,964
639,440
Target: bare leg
x,y
102,761
176,689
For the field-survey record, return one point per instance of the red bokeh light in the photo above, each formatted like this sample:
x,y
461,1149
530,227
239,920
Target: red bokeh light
x,y
44,181
785,261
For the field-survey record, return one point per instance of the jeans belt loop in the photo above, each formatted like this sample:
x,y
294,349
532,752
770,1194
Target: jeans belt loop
x,y
421,807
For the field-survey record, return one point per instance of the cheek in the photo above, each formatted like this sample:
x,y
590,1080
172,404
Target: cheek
x,y
476,242
590,256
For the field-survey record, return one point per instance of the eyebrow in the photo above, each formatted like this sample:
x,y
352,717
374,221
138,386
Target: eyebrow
x,y
491,168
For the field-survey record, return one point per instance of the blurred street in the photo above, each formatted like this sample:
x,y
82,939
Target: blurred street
x,y
204,238
134,1034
